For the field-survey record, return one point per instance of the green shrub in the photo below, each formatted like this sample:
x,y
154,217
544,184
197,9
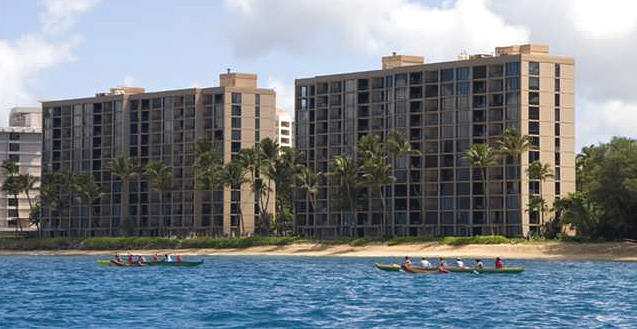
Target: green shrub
x,y
485,239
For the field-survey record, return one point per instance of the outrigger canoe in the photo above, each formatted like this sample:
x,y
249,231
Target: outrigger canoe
x,y
411,269
388,267
105,262
396,268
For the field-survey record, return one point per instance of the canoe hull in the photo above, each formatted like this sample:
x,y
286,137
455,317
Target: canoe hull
x,y
388,267
415,269
167,264
487,270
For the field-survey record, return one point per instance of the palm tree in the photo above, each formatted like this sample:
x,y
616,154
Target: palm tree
x,y
12,185
511,145
208,172
249,159
56,194
376,173
208,166
345,173
282,173
234,176
482,156
541,172
397,144
269,152
87,191
160,179
28,183
307,181
126,169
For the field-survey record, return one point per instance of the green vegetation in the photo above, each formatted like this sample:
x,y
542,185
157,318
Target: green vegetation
x,y
605,204
154,243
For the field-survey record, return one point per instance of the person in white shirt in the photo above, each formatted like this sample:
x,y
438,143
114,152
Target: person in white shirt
x,y
168,258
459,263
425,263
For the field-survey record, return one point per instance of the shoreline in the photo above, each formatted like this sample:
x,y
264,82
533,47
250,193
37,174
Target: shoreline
x,y
616,251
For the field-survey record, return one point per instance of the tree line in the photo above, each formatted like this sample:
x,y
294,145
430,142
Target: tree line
x,y
602,206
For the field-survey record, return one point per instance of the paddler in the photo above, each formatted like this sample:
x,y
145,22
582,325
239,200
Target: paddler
x,y
479,264
459,262
407,262
167,258
141,260
179,259
155,258
131,258
498,263
425,263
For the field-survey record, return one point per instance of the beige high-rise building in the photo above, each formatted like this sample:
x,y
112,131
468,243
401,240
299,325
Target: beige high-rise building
x,y
285,128
443,108
84,134
22,142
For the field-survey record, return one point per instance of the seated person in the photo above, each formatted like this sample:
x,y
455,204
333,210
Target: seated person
x,y
459,263
498,263
479,264
425,263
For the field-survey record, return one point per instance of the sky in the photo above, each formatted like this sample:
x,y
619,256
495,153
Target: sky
x,y
56,49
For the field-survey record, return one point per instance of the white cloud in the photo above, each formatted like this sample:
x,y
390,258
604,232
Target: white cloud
x,y
284,95
600,35
367,27
59,16
23,59
606,119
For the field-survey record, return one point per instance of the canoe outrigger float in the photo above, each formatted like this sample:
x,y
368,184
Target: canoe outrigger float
x,y
414,269
105,262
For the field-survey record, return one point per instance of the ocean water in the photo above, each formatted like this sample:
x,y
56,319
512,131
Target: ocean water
x,y
311,292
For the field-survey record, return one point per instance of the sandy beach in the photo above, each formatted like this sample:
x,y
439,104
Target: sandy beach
x,y
618,251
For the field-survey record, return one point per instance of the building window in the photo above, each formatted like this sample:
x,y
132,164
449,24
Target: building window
x,y
14,147
534,68
558,188
236,110
557,99
534,113
557,158
557,70
513,68
557,85
557,114
534,128
534,98
557,129
14,136
14,157
534,83
446,75
236,98
534,156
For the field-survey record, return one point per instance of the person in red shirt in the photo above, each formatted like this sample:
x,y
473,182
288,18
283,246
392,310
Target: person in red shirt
x,y
155,258
499,263
131,259
179,259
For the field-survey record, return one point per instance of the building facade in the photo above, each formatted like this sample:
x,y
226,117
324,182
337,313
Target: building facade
x,y
21,142
443,108
82,135
284,128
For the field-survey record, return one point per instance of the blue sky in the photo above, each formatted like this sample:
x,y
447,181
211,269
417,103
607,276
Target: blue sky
x,y
54,49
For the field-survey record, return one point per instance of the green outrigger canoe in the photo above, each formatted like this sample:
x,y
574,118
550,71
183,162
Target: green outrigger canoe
x,y
106,262
396,268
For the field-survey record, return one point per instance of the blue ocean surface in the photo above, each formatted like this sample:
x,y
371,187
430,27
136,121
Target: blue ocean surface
x,y
311,292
